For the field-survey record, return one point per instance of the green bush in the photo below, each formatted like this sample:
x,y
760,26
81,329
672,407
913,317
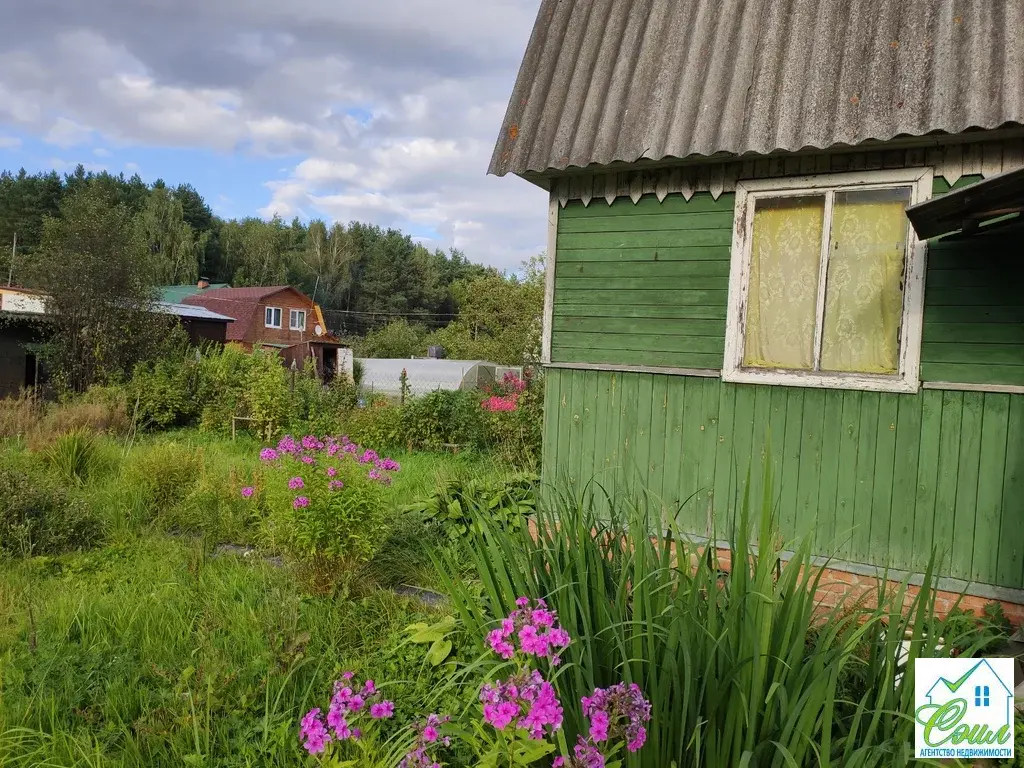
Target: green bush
x,y
233,382
444,417
379,425
73,456
166,390
39,517
457,503
517,434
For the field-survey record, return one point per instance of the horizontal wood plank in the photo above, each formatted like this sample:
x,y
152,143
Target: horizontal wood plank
x,y
971,373
654,297
646,283
677,327
639,342
560,354
975,333
718,253
979,354
673,239
667,312
665,270
654,222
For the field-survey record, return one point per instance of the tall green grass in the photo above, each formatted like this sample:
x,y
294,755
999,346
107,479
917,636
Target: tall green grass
x,y
742,666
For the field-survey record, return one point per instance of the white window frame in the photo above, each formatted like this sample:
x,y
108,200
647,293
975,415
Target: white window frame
x,y
292,326
269,314
907,377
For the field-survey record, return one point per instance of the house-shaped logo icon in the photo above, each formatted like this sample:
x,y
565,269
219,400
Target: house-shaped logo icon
x,y
988,698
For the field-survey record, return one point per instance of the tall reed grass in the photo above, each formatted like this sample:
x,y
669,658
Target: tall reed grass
x,y
742,666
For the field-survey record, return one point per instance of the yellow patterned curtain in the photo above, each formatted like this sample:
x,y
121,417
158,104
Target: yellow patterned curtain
x,y
783,293
864,290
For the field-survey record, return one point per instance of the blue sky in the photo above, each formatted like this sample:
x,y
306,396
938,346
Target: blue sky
x,y
336,109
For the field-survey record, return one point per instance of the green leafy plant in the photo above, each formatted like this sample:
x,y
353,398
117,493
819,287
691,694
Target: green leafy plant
x,y
442,418
457,504
436,636
742,668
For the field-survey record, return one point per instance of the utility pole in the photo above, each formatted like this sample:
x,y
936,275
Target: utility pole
x,y
10,271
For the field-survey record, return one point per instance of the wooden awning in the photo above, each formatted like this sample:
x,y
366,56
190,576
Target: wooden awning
x,y
966,210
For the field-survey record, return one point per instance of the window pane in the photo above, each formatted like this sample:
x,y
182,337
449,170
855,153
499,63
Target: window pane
x,y
782,300
864,292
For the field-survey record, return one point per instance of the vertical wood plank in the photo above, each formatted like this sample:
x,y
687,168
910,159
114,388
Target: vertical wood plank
x,y
901,521
760,447
831,440
590,415
927,477
658,430
628,434
576,416
1011,539
992,470
861,543
725,467
742,438
675,483
693,427
945,487
614,418
779,401
601,451
809,476
790,474
881,496
549,450
644,416
964,529
846,479
711,394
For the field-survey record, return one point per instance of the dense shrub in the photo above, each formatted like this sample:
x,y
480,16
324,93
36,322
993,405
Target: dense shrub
x,y
38,516
444,417
514,419
378,425
165,390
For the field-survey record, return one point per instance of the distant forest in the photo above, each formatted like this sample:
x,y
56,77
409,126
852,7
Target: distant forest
x,y
364,277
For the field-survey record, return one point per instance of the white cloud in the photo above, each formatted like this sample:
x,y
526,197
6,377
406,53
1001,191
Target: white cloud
x,y
10,142
383,112
66,133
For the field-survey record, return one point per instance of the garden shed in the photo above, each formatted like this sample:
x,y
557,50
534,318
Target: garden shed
x,y
425,374
731,269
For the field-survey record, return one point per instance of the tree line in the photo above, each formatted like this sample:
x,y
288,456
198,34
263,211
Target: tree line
x,y
363,276
99,244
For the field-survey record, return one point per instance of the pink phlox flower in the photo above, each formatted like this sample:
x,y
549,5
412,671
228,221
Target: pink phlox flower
x,y
335,485
500,715
522,602
542,618
300,502
588,756
382,710
314,734
499,645
558,762
296,483
248,491
347,675
369,688
599,726
532,643
375,474
332,471
430,733
268,454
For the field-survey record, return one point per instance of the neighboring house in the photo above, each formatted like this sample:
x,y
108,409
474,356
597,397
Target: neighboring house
x,y
987,697
24,326
731,270
281,317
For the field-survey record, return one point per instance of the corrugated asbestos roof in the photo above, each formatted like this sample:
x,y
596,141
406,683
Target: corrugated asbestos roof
x,y
187,310
605,81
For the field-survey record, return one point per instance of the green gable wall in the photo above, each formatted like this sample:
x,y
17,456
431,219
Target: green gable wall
x,y
880,478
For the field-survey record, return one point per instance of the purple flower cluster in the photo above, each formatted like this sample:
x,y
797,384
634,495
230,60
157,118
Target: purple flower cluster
x,y
536,630
428,736
349,702
619,712
310,449
526,698
584,756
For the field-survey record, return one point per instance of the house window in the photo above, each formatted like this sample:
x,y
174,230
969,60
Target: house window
x,y
981,697
273,317
297,320
827,282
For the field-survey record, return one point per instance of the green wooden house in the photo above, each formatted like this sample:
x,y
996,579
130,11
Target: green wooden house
x,y
731,268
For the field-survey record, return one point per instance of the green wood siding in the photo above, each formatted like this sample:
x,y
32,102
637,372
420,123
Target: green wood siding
x,y
647,284
875,478
643,284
